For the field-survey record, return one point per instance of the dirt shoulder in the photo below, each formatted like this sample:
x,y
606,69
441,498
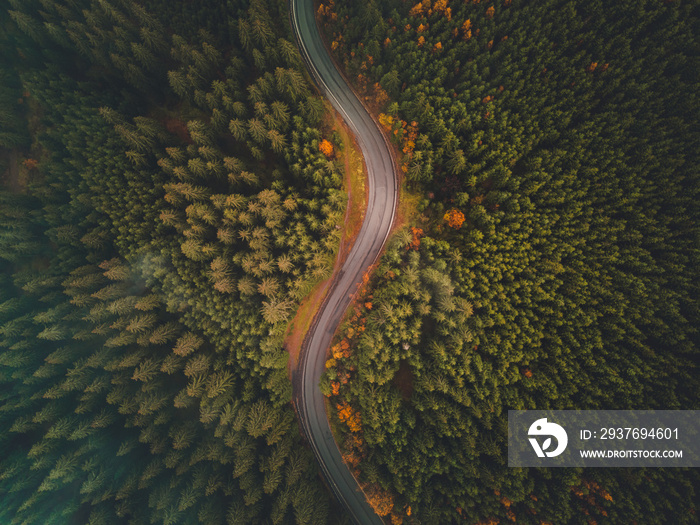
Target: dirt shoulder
x,y
356,185
355,181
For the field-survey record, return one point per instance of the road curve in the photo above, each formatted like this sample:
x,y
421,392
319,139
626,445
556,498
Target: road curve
x,y
381,208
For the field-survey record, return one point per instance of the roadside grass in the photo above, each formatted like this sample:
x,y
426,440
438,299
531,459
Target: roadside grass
x,y
408,213
299,326
355,179
355,183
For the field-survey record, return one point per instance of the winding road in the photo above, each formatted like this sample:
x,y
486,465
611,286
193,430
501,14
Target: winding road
x,y
381,208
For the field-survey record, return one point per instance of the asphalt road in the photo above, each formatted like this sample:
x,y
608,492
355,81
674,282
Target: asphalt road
x,y
381,207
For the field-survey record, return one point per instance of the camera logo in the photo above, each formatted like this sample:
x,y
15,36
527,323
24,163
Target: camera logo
x,y
542,428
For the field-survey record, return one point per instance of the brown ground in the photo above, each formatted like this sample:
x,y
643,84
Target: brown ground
x,y
407,212
11,179
356,184
355,181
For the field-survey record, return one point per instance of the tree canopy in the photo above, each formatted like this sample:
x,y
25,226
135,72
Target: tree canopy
x,y
164,208
555,263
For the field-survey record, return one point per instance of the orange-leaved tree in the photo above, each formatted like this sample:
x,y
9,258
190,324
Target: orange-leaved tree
x,y
454,218
415,241
380,500
326,148
349,416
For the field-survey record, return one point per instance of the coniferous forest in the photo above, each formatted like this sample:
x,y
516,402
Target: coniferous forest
x,y
553,148
169,195
165,207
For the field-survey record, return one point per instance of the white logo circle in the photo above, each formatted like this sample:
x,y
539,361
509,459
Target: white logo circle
x,y
542,428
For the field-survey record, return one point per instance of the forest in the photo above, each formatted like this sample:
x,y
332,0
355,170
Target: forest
x,y
165,205
169,194
553,262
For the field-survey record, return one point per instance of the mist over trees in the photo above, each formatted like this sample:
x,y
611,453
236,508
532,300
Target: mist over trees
x,y
165,207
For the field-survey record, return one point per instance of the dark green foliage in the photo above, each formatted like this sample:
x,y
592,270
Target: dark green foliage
x,y
13,131
149,262
571,148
